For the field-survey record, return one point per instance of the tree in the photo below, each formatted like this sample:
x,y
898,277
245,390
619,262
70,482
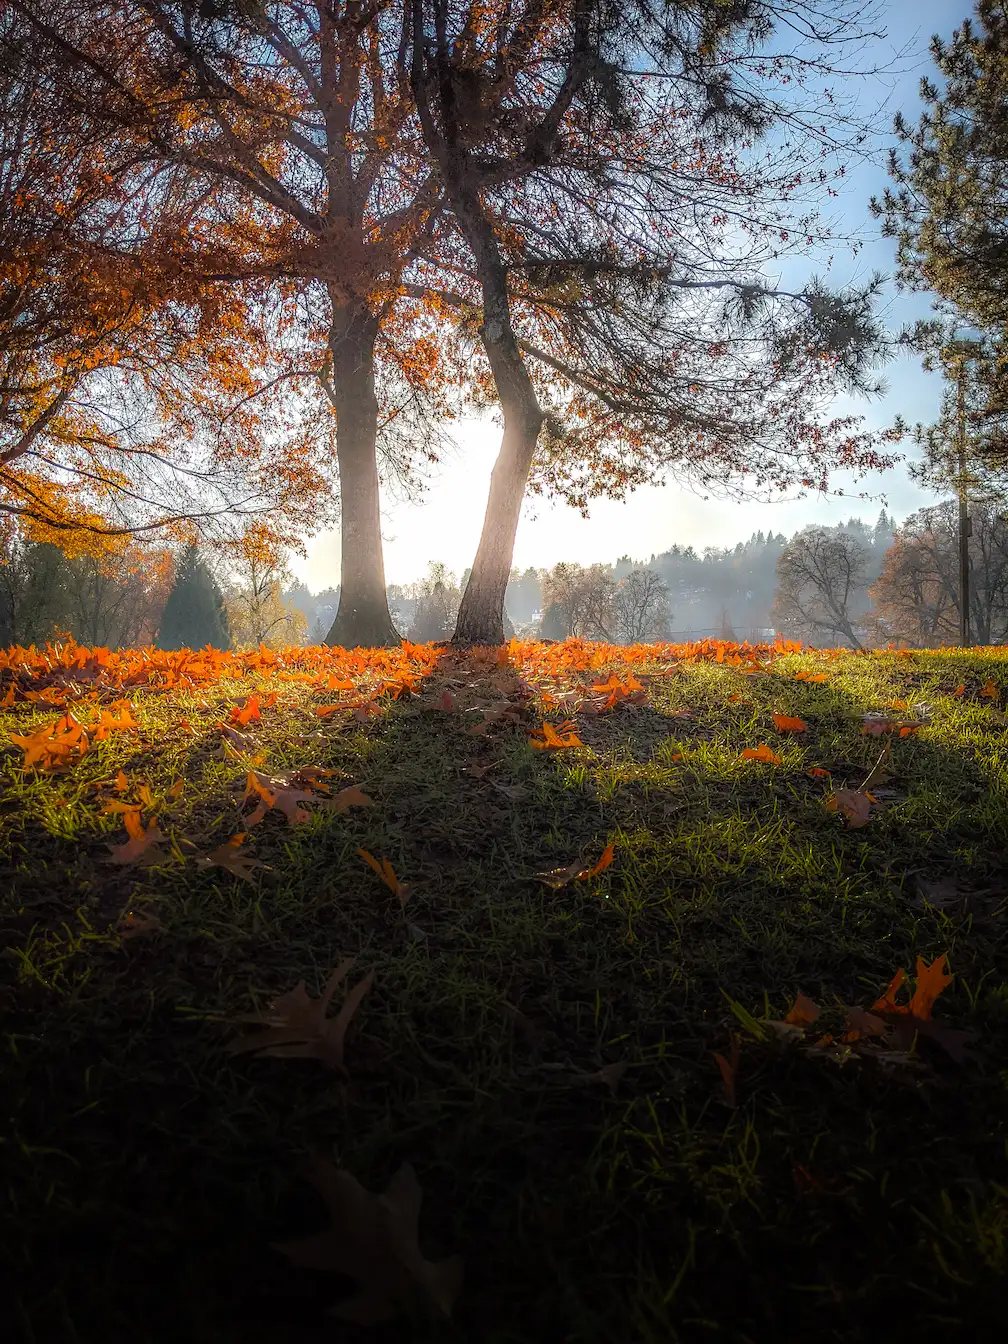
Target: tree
x,y
820,574
112,600
256,610
436,601
591,194
948,214
194,614
128,372
916,597
295,123
577,602
640,607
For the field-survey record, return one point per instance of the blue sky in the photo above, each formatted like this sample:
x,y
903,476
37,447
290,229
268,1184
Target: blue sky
x,y
446,525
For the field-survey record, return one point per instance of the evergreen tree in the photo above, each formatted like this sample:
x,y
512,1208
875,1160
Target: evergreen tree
x,y
948,213
194,614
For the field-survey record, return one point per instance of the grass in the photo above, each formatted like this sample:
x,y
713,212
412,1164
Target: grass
x,y
147,1170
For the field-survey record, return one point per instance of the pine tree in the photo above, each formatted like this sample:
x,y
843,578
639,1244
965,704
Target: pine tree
x,y
194,614
948,214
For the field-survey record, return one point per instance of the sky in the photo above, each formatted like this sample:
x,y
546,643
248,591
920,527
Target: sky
x,y
445,524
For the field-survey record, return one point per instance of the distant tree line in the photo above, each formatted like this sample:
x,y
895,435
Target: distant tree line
x,y
855,584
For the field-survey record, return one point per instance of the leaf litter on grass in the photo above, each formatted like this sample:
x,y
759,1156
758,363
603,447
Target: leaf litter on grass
x,y
296,1026
375,1240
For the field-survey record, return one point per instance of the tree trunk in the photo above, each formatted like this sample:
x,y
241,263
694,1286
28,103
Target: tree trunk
x,y
362,618
481,612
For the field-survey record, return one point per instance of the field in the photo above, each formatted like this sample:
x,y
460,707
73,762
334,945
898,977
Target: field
x,y
540,1051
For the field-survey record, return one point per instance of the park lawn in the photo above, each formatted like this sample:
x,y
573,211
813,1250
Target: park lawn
x,y
542,1056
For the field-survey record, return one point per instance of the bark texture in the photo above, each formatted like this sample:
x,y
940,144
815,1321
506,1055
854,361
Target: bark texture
x,y
362,619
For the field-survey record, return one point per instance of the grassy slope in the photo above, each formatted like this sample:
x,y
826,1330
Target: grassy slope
x,y
148,1170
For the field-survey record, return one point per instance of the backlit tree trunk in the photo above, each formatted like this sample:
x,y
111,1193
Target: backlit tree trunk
x,y
481,613
363,618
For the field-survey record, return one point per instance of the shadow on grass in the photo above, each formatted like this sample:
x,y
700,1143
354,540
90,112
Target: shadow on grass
x,y
149,1171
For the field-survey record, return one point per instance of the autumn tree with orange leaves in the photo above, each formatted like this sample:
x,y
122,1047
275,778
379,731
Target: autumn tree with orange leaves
x,y
130,377
296,121
615,200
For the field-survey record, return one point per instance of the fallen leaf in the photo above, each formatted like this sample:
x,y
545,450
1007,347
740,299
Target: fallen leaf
x,y
605,860
547,738
761,753
121,783
295,1025
143,846
931,981
852,804
374,1239
560,877
960,689
990,692
229,857
817,772
787,723
351,796
244,714
729,1069
803,1012
386,872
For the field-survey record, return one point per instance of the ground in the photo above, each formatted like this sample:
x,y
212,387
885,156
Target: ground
x,y
542,1055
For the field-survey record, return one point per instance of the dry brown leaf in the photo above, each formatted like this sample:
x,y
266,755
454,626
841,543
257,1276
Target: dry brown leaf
x,y
852,804
374,1239
230,857
296,1026
143,846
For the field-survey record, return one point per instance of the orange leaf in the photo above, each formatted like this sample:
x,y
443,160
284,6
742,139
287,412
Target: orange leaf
x,y
817,772
604,861
8,699
803,1012
547,738
761,753
386,872
991,692
887,1003
931,980
788,723
243,714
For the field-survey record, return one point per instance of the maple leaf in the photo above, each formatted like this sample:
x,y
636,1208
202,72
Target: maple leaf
x,y
761,753
386,872
296,1026
990,692
143,846
375,1240
229,857
817,772
787,723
